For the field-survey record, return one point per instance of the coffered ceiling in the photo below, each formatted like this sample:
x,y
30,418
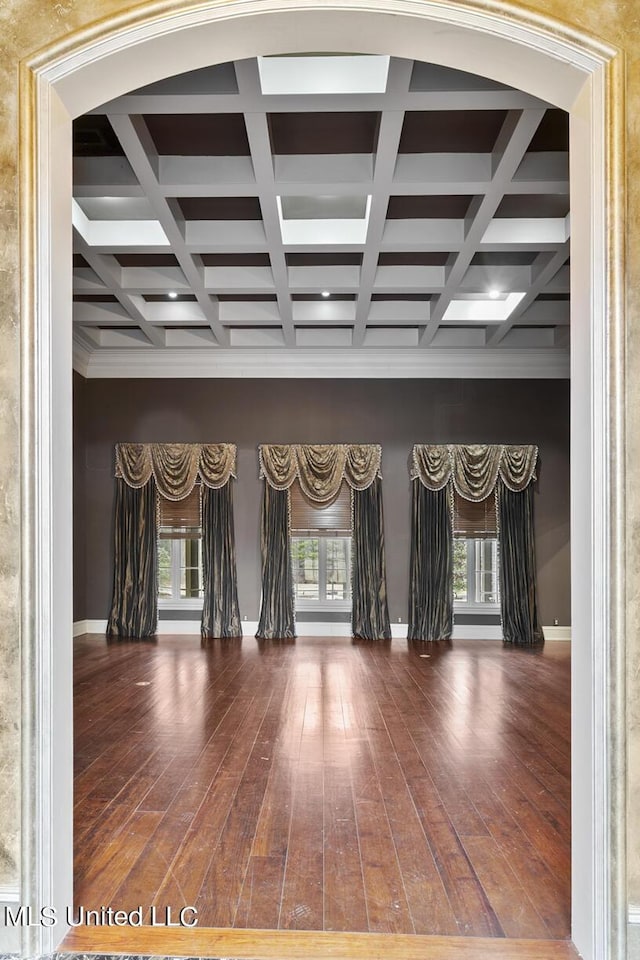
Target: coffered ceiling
x,y
345,207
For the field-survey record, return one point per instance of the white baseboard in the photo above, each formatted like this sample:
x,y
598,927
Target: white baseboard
x,y
318,628
476,631
557,633
634,914
164,626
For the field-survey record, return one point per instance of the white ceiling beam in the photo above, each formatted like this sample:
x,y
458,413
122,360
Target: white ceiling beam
x,y
324,311
250,337
104,177
389,133
347,169
242,102
560,282
546,313
519,337
390,312
110,273
425,235
86,281
408,279
390,337
249,312
255,119
527,230
503,278
225,236
187,176
511,145
486,177
459,337
179,311
335,278
345,174
154,279
239,279
139,148
91,314
201,337
543,270
129,339
431,172
327,337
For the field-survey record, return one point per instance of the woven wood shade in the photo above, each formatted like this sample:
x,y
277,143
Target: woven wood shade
x,y
175,515
322,521
474,519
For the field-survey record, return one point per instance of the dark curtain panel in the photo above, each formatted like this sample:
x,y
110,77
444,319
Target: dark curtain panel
x,y
431,565
370,613
277,619
134,610
520,623
220,611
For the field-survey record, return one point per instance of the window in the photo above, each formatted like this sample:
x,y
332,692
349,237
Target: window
x,y
321,551
180,551
475,553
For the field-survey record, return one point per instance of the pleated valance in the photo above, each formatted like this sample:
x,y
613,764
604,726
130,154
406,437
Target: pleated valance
x,y
474,468
176,466
320,467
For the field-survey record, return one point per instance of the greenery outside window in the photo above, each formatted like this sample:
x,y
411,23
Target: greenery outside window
x,y
321,551
321,572
476,583
475,573
180,581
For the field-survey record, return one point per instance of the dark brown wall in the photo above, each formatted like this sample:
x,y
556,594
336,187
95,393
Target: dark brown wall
x,y
395,413
79,496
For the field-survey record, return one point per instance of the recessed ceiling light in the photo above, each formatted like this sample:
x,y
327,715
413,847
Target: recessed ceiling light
x,y
172,294
325,293
494,293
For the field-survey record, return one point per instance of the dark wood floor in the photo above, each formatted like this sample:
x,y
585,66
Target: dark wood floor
x,y
326,784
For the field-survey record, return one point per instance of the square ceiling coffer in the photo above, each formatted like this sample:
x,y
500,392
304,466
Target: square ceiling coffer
x,y
318,220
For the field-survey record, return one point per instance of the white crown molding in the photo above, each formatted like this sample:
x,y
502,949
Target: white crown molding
x,y
81,357
482,363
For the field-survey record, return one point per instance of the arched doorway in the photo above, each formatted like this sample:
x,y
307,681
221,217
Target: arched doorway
x,y
133,51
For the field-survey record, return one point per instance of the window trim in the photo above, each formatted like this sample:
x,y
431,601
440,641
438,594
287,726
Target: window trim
x,y
472,606
178,603
322,604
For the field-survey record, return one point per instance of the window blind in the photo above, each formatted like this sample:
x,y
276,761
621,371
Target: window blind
x,y
474,520
307,517
175,515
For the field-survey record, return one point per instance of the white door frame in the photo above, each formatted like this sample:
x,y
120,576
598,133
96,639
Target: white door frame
x,y
524,50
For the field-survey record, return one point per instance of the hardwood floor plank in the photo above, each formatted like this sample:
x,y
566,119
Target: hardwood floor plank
x,y
345,905
393,788
302,891
508,898
387,906
113,860
550,897
222,886
474,914
261,897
